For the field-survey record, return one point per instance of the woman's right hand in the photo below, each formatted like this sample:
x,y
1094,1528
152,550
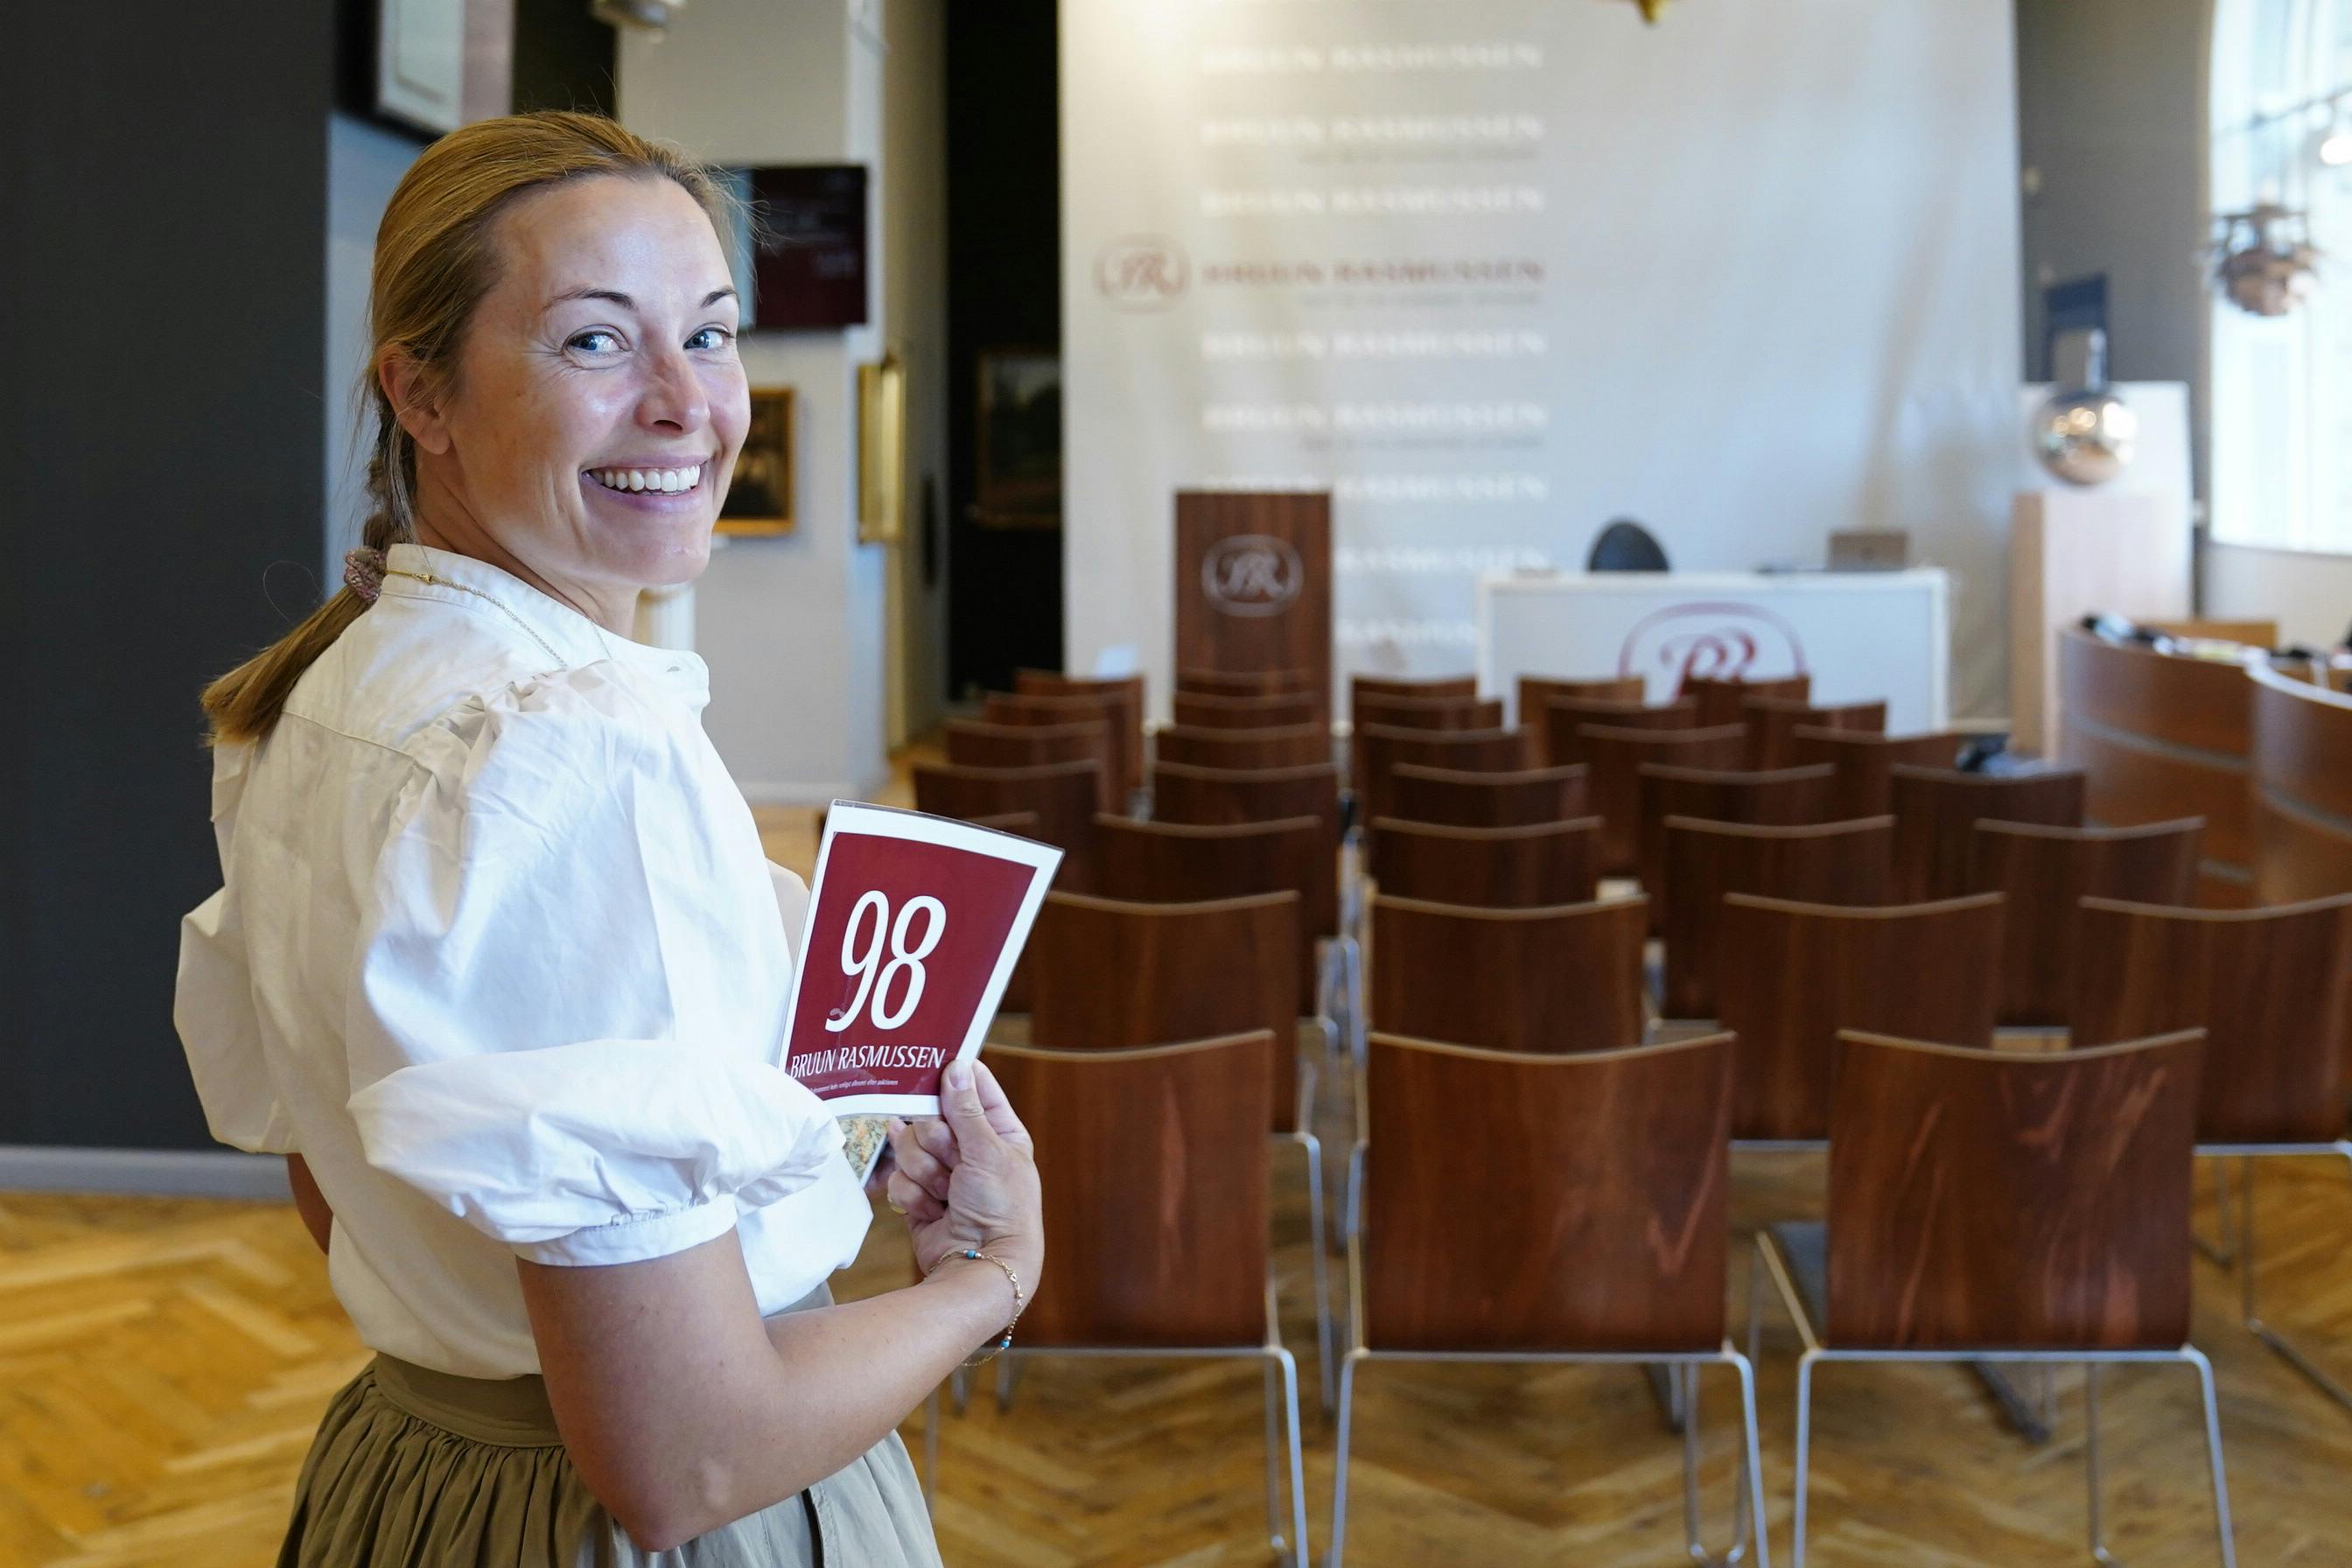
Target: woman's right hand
x,y
969,1179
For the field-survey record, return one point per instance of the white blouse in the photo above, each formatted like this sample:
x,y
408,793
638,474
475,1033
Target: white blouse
x,y
498,954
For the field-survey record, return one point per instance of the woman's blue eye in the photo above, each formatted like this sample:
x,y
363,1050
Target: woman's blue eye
x,y
581,340
718,335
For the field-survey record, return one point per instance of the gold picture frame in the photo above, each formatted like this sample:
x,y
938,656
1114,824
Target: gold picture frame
x,y
760,495
882,451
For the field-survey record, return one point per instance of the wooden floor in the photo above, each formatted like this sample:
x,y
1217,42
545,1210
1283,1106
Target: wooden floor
x,y
162,1365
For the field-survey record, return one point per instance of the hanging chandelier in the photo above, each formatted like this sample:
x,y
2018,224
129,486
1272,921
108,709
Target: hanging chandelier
x,y
2263,259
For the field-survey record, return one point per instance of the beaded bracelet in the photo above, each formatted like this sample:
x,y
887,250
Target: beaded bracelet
x,y
1020,1302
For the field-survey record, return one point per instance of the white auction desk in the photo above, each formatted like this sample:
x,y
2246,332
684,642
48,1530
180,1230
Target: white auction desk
x,y
1861,635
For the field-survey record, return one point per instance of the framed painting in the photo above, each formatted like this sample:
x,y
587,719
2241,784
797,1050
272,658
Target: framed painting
x,y
1019,463
759,498
882,451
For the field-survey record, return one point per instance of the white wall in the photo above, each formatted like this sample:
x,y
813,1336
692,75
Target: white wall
x,y
794,628
1778,248
2310,595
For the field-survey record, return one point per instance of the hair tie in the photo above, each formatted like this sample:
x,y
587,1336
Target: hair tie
x,y
363,573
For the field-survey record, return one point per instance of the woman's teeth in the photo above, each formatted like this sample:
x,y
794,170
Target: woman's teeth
x,y
669,482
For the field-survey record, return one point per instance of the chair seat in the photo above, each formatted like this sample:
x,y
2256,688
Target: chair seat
x,y
1805,1248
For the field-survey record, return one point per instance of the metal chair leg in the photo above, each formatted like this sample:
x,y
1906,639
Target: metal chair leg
x,y
1298,1547
1008,1377
1683,1380
2249,1265
2195,1357
1339,1467
1666,1388
2223,1248
1749,1499
1804,1449
1319,1266
1273,1466
2090,1461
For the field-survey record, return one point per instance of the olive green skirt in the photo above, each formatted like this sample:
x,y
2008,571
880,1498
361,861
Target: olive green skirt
x,y
423,1470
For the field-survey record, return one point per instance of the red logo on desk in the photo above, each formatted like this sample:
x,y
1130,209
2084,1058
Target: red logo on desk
x,y
1712,642
1252,574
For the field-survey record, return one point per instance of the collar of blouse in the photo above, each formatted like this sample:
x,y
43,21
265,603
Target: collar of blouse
x,y
567,637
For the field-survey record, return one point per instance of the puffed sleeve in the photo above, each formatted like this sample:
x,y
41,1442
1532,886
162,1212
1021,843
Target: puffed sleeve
x,y
212,999
571,984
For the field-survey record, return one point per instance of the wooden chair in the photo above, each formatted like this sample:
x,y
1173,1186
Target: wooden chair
x,y
1375,748
1557,740
1616,1255
2272,989
1460,798
1616,756
1791,975
1293,746
1044,709
1773,723
1542,981
1117,975
2008,1205
1362,686
1127,691
1826,863
1865,763
1245,682
1063,796
2046,873
976,744
1534,867
1184,863
1195,712
1197,1280
1784,798
1720,701
1937,811
1429,713
1537,692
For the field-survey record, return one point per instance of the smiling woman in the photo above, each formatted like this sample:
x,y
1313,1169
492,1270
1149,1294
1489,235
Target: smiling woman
x,y
498,965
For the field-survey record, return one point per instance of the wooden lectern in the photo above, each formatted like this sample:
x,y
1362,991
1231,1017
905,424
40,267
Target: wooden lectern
x,y
1253,583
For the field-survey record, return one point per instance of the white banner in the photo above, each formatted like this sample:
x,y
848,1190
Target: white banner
x,y
1495,271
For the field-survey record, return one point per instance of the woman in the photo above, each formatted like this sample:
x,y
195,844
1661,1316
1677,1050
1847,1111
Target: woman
x,y
499,966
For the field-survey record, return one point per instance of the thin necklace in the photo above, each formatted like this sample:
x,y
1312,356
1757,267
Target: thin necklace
x,y
490,599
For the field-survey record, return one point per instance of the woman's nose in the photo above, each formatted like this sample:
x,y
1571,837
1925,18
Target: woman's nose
x,y
674,398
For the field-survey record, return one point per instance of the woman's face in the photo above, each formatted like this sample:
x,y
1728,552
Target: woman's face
x,y
598,405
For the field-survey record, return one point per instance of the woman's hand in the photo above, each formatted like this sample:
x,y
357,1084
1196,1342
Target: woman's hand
x,y
969,1179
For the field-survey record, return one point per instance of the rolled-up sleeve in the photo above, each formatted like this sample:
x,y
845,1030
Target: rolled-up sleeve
x,y
570,986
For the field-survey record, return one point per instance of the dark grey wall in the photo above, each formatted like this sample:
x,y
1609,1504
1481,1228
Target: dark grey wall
x,y
2111,119
162,304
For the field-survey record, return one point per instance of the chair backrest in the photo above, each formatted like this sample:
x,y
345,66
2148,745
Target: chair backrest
x,y
974,742
1825,863
1185,863
1865,763
1160,1239
1223,797
1533,867
1536,691
1782,797
1937,811
1618,1245
1790,975
1360,686
1544,980
1773,723
1108,709
1374,749
2271,987
1286,711
2007,1200
1062,795
1464,799
2047,872
1625,546
1109,972
1720,701
1616,755
1246,682
1127,691
1557,742
1291,746
1429,713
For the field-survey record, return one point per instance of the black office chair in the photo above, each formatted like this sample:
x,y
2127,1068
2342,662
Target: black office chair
x,y
1625,546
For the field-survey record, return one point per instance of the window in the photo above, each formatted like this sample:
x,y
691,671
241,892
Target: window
x,y
2281,386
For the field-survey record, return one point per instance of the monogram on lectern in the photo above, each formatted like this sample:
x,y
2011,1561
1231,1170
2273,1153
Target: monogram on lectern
x,y
1254,583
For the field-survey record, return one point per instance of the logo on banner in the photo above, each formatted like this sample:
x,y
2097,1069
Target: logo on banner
x,y
1142,272
1712,642
1252,574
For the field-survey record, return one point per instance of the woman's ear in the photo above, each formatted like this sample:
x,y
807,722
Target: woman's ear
x,y
407,387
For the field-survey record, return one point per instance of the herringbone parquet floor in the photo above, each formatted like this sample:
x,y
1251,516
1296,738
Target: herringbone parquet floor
x,y
163,1363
